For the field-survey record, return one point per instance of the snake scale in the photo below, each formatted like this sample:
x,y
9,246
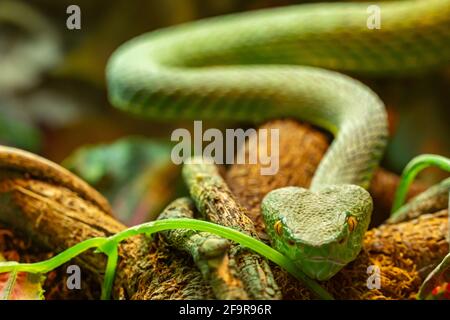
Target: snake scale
x,y
285,62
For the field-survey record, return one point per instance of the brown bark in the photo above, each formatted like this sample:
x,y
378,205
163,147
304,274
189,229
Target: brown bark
x,y
58,218
216,203
209,252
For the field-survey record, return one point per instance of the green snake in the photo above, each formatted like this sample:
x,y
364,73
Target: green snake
x,y
272,64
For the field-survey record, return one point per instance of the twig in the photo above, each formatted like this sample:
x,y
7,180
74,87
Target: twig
x,y
210,252
216,203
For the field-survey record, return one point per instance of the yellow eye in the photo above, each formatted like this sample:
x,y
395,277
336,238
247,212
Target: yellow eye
x,y
352,223
278,227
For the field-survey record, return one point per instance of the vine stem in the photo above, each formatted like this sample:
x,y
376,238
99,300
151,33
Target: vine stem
x,y
230,234
110,272
410,172
109,246
56,261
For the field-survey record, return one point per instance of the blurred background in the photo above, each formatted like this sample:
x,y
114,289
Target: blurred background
x,y
53,99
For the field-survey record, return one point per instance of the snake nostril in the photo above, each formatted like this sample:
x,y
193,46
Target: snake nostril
x,y
342,241
291,243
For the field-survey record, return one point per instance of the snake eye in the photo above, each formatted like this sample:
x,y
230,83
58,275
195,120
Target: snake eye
x,y
278,227
352,223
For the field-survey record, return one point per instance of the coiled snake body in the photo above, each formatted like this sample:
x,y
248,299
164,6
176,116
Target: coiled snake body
x,y
268,64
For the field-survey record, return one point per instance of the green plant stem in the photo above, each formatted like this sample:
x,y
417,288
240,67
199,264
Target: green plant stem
x,y
108,281
410,172
56,261
231,234
109,246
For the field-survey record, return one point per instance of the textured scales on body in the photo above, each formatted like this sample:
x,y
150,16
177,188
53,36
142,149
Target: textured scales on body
x,y
265,64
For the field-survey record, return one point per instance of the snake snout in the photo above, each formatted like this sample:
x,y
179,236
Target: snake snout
x,y
321,231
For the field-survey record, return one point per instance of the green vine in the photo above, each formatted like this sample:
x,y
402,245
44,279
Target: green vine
x,y
109,246
410,172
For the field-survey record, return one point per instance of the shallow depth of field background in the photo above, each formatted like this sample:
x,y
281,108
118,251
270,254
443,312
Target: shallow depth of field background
x,y
66,106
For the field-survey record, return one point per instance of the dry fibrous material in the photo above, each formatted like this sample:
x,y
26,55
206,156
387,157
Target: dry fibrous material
x,y
15,246
56,218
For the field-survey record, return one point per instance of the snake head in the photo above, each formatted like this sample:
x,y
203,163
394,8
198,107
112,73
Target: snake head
x,y
320,231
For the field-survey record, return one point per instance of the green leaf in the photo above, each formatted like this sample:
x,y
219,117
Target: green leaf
x,y
21,285
135,174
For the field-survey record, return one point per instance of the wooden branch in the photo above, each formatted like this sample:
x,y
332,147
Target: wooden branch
x,y
210,252
57,218
217,204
